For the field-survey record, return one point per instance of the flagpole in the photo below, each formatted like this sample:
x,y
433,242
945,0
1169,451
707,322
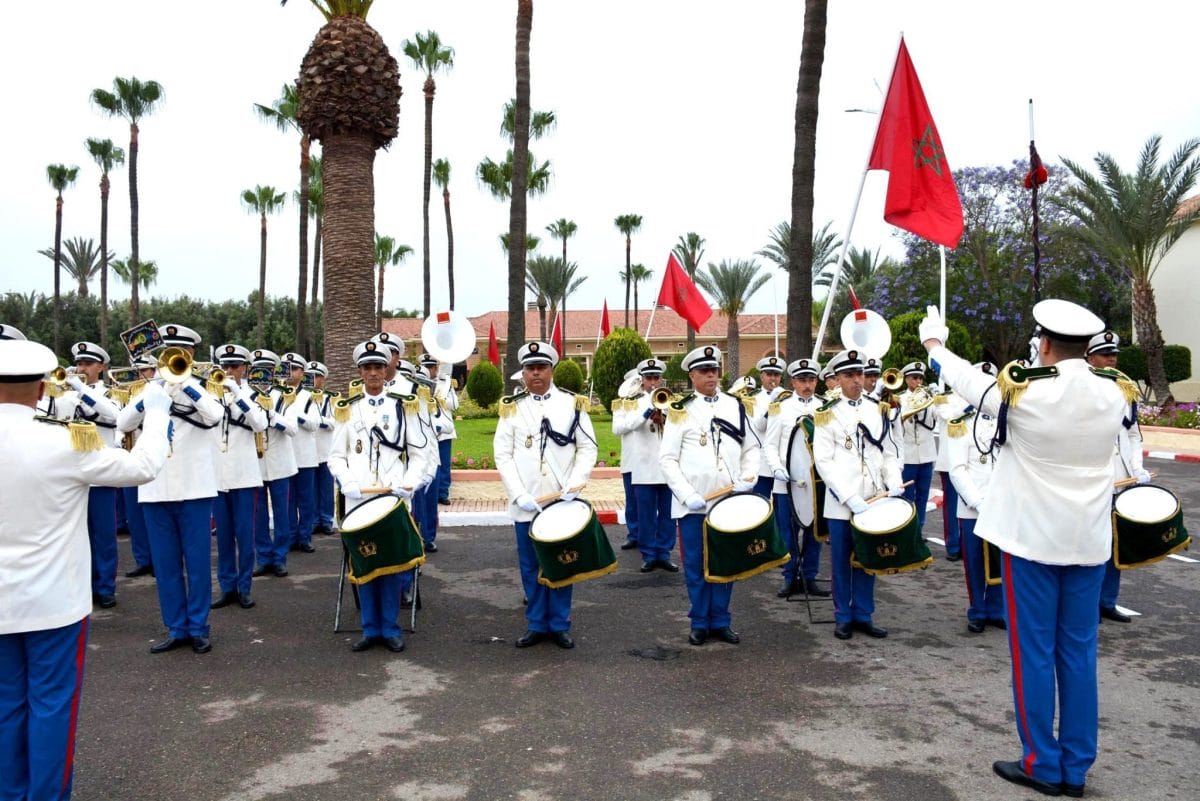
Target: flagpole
x,y
942,249
650,322
775,306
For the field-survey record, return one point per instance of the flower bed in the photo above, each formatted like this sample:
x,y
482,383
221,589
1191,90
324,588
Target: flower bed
x,y
1181,415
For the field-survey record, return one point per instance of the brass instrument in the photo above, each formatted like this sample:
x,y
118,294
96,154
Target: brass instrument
x,y
56,381
743,385
174,365
915,402
661,398
892,379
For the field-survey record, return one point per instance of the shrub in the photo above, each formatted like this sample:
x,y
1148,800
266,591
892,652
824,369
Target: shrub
x,y
907,347
620,351
674,373
485,384
1177,362
569,375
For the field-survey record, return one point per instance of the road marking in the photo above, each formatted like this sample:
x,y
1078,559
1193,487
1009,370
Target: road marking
x,y
1180,558
1125,611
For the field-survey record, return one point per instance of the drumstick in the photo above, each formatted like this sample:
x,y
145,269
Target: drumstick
x,y
883,495
1129,482
375,490
545,499
718,492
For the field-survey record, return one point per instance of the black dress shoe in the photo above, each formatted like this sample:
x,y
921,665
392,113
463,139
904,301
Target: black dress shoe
x,y
280,571
790,588
726,634
975,626
1073,790
245,601
997,623
201,645
954,557
443,501
697,637
306,547
122,532
106,601
814,590
629,545
362,644
530,638
1012,772
667,565
563,639
225,600
648,566
394,644
431,547
1111,613
263,570
140,570
870,629
169,644
843,631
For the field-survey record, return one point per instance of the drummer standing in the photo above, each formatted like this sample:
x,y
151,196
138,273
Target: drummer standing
x,y
1048,509
544,444
851,453
708,443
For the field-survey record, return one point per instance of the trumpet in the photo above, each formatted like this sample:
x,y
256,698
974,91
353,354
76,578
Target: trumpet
x,y
174,365
56,381
661,398
892,379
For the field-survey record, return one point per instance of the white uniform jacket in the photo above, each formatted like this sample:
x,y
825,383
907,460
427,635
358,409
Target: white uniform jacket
x,y
94,406
324,404
45,560
383,444
972,460
1050,496
543,446
1127,454
279,457
951,407
917,434
631,447
307,416
237,455
701,451
446,400
781,422
191,469
763,399
850,451
642,436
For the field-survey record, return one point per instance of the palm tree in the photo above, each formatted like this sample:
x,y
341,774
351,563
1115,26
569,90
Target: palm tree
x,y
732,284
441,176
689,250
282,114
517,222
131,99
804,157
627,224
540,122
350,102
563,229
262,200
147,271
858,273
106,155
539,279
387,253
82,261
60,177
638,274
428,54
825,244
316,210
497,177
1131,221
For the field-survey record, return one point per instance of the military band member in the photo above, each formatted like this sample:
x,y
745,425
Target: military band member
x,y
800,573
971,456
47,473
439,420
381,444
829,383
447,398
770,374
644,426
851,453
1102,352
139,537
240,478
325,407
178,504
302,505
544,444
871,372
631,453
948,406
278,466
920,448
1048,509
708,443
8,332
395,350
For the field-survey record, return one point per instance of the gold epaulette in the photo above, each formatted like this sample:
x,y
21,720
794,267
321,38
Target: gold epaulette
x,y
676,416
748,404
263,399
958,426
119,395
508,404
773,409
84,436
942,399
341,409
581,403
1014,379
1124,383
424,394
885,409
783,395
411,404
617,404
823,415
355,389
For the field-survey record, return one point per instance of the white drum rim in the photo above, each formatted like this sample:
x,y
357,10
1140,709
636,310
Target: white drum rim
x,y
562,505
347,520
748,527
1141,488
912,509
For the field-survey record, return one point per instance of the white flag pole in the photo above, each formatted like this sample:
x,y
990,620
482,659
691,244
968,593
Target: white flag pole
x,y
775,306
942,249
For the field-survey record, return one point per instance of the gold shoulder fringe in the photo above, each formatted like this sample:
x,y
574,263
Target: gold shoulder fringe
x,y
616,405
264,400
1011,383
748,404
942,399
958,427
411,404
823,415
782,396
355,389
119,395
85,437
341,412
676,415
508,405
581,403
773,409
1128,388
885,409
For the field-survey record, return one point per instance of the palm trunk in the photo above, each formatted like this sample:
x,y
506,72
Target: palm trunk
x,y
83,284
800,256
1150,339
104,186
379,299
541,304
316,282
627,280
262,283
134,273
563,311
636,325
733,344
301,313
58,204
517,222
691,338
429,90
449,246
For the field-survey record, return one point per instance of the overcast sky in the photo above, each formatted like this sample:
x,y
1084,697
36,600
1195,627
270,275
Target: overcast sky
x,y
681,111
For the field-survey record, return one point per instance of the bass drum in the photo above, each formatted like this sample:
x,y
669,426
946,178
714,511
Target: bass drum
x,y
1147,526
381,538
570,544
887,538
808,501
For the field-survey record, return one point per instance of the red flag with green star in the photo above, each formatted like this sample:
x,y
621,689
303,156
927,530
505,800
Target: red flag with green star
x,y
921,196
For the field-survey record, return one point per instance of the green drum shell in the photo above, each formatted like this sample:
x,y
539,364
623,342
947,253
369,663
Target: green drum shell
x,y
736,555
391,544
585,555
1138,543
883,553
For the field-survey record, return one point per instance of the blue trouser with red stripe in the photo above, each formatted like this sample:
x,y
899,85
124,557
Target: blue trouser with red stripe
x,y
709,601
1052,626
139,538
39,705
234,512
180,539
951,533
656,529
631,508
853,588
921,476
102,536
546,609
984,601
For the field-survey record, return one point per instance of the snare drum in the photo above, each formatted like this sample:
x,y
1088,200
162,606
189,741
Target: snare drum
x,y
887,538
570,544
381,537
741,539
1147,526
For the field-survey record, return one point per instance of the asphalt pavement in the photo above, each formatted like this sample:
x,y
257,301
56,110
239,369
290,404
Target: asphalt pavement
x,y
281,708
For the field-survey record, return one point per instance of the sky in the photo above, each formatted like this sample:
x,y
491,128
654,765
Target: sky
x,y
681,111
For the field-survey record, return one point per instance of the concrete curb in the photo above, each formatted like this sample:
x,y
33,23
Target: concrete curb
x,y
1171,456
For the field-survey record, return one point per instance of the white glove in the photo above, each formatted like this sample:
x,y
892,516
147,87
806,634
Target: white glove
x,y
405,493
75,383
154,398
568,495
895,492
933,326
351,490
856,504
743,486
695,502
1142,476
527,503
781,475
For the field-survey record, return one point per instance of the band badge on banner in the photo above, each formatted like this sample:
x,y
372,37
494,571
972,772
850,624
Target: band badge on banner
x,y
141,339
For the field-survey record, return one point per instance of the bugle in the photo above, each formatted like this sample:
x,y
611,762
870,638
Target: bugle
x,y
661,398
174,365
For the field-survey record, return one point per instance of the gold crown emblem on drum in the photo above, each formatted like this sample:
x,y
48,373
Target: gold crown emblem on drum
x,y
887,549
568,557
368,549
1169,534
756,547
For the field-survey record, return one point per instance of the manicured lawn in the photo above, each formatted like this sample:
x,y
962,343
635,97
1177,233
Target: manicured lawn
x,y
474,442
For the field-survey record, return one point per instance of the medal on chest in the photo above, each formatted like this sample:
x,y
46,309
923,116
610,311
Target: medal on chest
x,y
848,443
358,446
529,440
703,439
983,458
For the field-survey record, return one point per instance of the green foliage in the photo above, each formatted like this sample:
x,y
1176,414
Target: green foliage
x,y
569,375
620,351
907,347
674,374
1177,361
485,385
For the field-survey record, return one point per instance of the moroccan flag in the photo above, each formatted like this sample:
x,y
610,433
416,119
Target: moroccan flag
x,y
679,293
493,346
556,335
921,196
605,326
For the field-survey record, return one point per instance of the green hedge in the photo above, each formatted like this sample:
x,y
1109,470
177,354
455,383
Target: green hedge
x,y
569,375
485,385
1177,361
619,352
907,347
